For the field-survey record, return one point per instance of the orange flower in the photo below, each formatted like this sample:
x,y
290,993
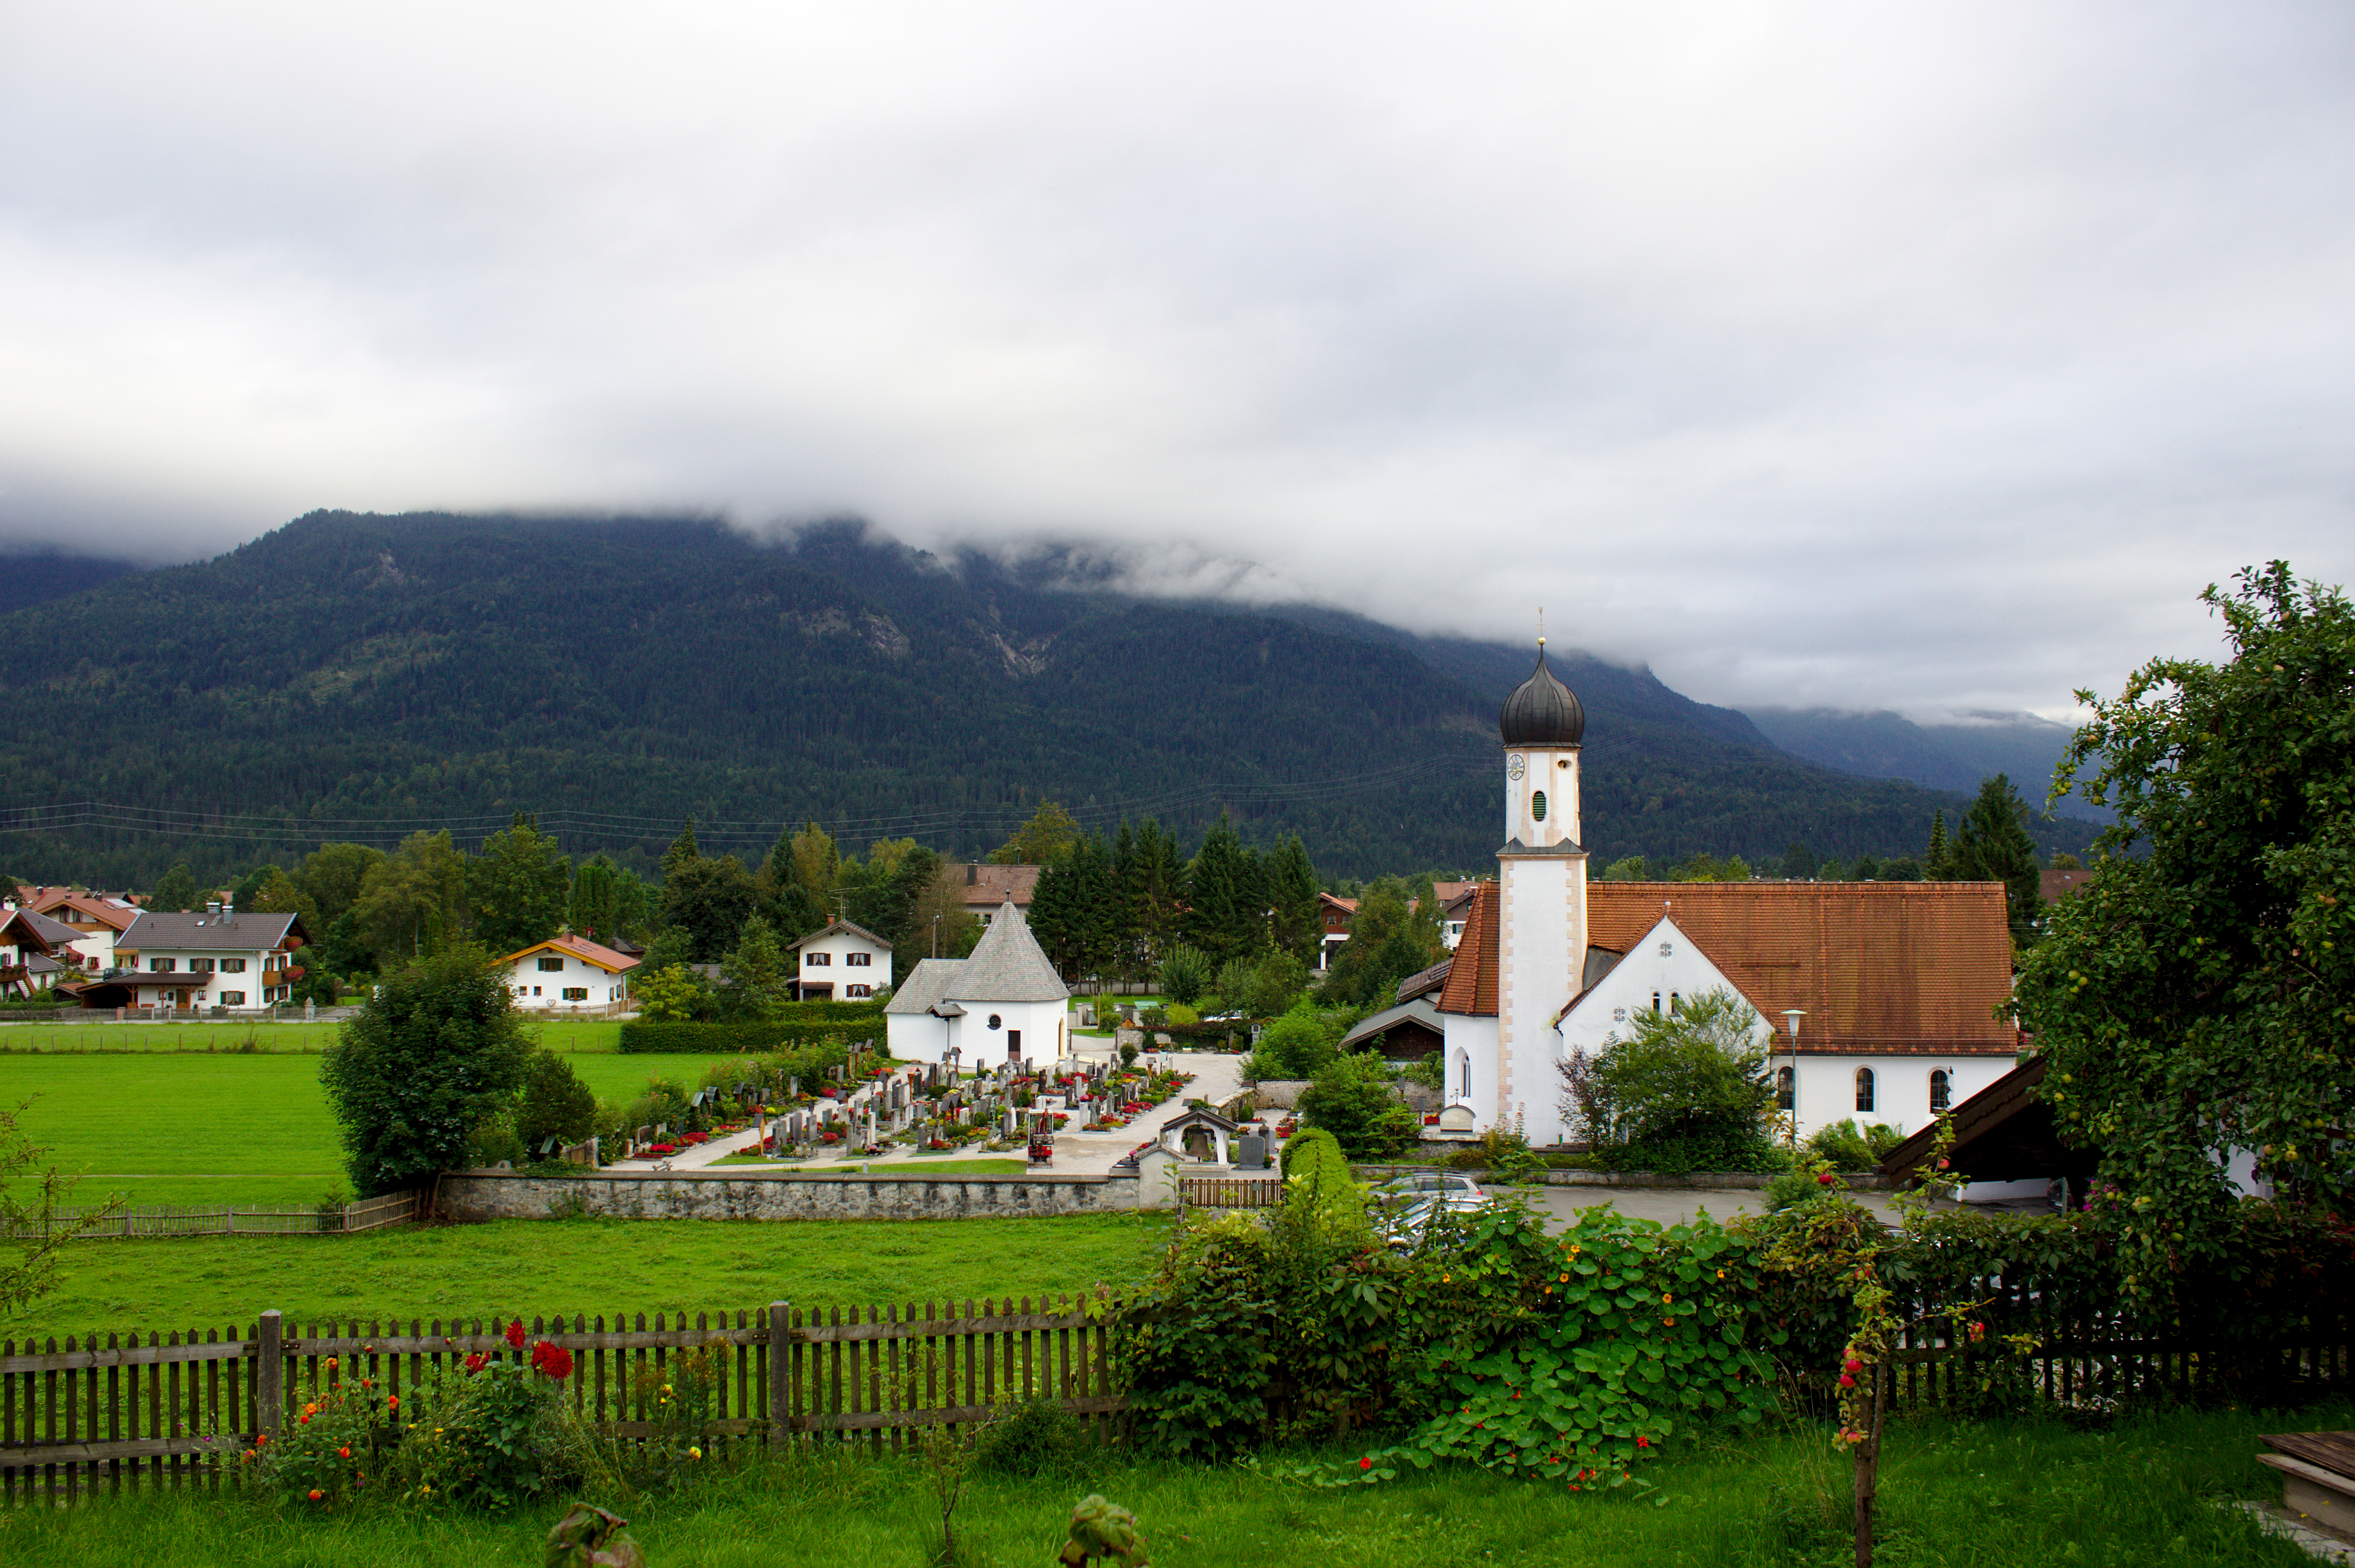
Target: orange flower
x,y
305,1421
342,1453
331,1363
393,1402
316,1494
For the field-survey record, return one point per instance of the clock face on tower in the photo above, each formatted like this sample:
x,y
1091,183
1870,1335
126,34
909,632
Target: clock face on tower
x,y
1513,768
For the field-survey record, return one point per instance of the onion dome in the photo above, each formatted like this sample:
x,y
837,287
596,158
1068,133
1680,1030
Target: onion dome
x,y
1541,711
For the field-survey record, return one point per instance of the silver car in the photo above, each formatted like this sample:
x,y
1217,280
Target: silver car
x,y
1405,1227
1423,1183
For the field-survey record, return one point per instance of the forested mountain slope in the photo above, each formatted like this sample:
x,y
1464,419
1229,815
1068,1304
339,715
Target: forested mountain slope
x,y
353,676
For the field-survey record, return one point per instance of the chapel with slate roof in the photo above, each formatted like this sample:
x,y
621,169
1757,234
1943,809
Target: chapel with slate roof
x,y
1002,1003
1894,985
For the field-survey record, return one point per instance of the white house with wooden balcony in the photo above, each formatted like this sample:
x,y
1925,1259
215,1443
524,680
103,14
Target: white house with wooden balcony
x,y
98,920
843,962
219,957
568,973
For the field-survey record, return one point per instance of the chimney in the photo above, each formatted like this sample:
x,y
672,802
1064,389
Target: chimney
x,y
212,906
972,873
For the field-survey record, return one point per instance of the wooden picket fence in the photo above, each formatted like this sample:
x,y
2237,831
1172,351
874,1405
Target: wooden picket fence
x,y
150,1220
1231,1191
181,1409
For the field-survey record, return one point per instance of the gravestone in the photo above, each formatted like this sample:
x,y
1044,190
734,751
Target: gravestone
x,y
1251,1152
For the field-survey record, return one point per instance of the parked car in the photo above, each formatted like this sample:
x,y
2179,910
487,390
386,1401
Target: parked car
x,y
1404,1228
1426,1181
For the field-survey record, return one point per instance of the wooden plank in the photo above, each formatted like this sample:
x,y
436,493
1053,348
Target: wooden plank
x,y
84,1453
946,1328
679,1337
126,1356
903,1420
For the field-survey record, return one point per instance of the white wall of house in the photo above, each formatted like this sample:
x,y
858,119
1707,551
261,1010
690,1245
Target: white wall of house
x,y
1471,1081
1042,1027
213,979
848,964
557,982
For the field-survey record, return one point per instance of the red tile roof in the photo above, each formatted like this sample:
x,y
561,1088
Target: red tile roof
x,y
1893,969
987,886
605,958
2054,886
1470,985
1879,966
81,908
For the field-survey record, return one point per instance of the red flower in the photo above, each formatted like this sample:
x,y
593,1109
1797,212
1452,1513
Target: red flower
x,y
342,1453
316,1494
551,1361
1823,1180
1643,1443
514,1333
475,1362
1365,1464
392,1402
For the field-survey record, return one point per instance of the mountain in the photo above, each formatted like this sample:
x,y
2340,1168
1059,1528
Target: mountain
x,y
1937,756
362,677
29,577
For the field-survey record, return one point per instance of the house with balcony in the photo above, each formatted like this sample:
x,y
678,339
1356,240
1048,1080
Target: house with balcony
x,y
220,957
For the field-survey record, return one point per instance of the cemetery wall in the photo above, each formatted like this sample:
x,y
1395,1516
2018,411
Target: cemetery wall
x,y
699,1195
1281,1093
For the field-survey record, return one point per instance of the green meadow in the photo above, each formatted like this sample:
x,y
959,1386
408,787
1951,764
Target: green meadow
x,y
588,1266
226,1126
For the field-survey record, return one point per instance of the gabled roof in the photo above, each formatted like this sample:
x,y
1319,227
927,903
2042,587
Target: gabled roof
x,y
245,930
1471,987
581,947
18,929
1876,966
2055,885
1431,979
988,885
59,904
56,933
1347,906
832,927
1418,1011
2003,1133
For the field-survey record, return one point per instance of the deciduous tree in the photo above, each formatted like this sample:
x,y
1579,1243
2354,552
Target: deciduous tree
x,y
1048,834
2191,998
434,1054
519,887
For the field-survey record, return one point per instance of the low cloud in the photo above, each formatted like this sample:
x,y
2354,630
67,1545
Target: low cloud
x,y
1928,357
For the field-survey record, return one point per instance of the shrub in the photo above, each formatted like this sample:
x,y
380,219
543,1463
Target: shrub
x,y
1317,1179
555,1104
1698,1071
1293,1047
323,1458
493,1433
1721,1149
1351,1097
1184,975
789,1028
1031,1437
431,1057
1841,1144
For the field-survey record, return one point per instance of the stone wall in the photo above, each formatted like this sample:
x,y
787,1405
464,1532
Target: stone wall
x,y
746,1195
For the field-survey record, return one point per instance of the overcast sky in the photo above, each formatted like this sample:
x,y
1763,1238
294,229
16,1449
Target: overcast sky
x,y
1921,355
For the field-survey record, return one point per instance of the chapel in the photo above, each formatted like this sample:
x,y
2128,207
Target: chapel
x,y
1879,998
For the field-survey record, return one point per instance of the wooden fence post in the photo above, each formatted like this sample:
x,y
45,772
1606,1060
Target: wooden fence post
x,y
270,1375
781,1337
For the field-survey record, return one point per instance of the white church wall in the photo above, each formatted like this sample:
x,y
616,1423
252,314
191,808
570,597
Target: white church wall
x,y
1471,1047
1828,1087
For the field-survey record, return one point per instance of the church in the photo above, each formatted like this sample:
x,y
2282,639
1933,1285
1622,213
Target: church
x,y
1878,998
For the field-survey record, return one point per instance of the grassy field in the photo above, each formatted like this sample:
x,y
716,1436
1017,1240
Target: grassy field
x,y
583,1266
228,1127
568,1035
2015,1493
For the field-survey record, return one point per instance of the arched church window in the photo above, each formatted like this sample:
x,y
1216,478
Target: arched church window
x,y
1537,806
1864,1088
1464,1075
1938,1092
1655,1001
1787,1089
1676,1002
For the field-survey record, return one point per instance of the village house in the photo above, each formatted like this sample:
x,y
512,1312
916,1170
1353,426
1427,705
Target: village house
x,y
28,945
1335,918
845,962
989,888
1878,998
217,957
568,973
1004,1003
98,922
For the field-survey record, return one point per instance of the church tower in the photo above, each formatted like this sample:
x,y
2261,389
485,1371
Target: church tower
x,y
1541,893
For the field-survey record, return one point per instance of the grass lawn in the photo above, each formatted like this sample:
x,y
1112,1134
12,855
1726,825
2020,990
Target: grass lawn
x,y
568,1035
2008,1494
227,1127
588,1267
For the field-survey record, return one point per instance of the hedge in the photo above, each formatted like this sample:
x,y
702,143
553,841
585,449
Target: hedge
x,y
645,1039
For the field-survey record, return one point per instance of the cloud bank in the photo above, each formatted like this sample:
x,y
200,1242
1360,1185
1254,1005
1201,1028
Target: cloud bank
x,y
1927,357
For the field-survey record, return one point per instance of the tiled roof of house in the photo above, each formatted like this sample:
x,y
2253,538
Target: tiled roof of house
x,y
22,927
59,903
1885,968
247,931
605,958
1882,966
1427,980
987,886
1470,985
1347,906
2054,886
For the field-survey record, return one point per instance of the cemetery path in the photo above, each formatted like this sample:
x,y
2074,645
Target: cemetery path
x,y
1217,1075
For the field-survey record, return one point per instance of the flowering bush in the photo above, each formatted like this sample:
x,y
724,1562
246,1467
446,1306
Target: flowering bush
x,y
830,1137
324,1456
494,1432
659,1148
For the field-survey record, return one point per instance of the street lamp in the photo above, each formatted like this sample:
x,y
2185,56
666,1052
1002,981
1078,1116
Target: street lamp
x,y
1791,1017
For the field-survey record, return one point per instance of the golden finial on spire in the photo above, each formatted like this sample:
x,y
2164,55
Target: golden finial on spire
x,y
1541,626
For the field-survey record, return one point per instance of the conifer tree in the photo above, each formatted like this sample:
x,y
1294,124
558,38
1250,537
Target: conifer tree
x,y
175,892
682,850
1992,845
1938,859
1292,893
1221,894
